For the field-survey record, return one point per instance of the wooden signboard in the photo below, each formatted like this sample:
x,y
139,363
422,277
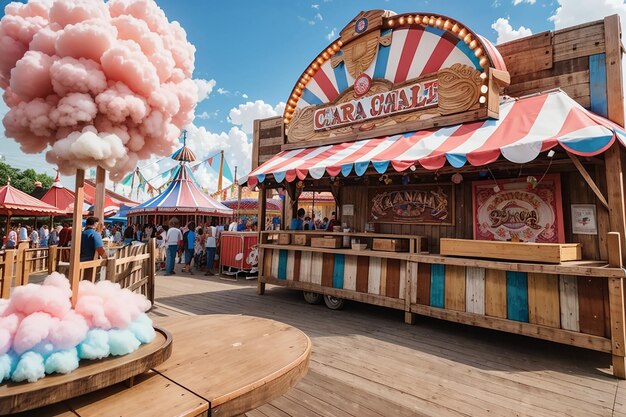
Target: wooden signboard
x,y
423,204
513,210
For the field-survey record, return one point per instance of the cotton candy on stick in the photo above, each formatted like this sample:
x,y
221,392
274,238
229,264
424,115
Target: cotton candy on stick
x,y
95,83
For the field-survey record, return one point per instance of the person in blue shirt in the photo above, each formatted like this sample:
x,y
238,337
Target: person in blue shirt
x,y
298,222
91,241
23,233
189,242
241,226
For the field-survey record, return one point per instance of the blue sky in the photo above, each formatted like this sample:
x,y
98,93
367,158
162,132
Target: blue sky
x,y
250,53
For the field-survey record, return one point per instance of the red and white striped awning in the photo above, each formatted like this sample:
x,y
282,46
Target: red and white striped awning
x,y
526,127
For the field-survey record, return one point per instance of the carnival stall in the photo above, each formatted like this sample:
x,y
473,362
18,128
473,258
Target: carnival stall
x,y
480,185
181,199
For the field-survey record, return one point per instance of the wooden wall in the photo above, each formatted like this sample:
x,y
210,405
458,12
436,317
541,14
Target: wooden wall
x,y
269,135
570,59
574,191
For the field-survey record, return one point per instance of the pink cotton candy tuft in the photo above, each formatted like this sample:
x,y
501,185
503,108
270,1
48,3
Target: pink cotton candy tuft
x,y
119,66
34,329
33,298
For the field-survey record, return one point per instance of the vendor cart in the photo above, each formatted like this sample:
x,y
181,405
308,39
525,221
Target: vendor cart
x,y
239,253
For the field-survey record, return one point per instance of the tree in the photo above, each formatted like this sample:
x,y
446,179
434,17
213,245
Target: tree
x,y
23,180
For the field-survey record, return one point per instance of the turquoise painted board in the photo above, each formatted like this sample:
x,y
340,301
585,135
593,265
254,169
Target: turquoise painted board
x,y
517,296
437,284
338,271
597,85
282,264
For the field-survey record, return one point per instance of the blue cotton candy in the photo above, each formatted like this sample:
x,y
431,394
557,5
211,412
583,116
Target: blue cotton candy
x,y
142,329
29,368
122,342
95,345
44,348
62,362
6,363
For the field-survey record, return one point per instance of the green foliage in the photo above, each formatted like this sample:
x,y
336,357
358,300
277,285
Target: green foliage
x,y
23,180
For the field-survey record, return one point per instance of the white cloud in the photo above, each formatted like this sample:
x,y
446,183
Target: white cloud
x,y
331,35
205,87
244,95
245,114
319,17
516,2
573,12
506,32
234,143
222,91
315,6
206,115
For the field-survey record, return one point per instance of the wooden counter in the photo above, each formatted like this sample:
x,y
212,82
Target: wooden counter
x,y
221,365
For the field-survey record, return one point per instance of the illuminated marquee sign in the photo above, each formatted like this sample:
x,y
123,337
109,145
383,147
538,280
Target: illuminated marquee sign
x,y
411,97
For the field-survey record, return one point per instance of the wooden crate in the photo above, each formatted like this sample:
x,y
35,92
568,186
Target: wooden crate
x,y
333,242
514,251
301,240
284,239
390,245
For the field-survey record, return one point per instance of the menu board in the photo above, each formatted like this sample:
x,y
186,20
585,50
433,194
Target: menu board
x,y
515,210
419,204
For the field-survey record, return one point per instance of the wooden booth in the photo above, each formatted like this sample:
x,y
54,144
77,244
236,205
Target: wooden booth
x,y
478,184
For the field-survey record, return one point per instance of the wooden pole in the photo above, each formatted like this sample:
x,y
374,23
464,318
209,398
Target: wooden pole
x,y
616,308
221,172
99,198
79,197
261,215
615,107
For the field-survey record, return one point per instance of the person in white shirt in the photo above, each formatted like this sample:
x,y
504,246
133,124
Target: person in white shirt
x,y
232,227
210,244
172,238
34,239
117,236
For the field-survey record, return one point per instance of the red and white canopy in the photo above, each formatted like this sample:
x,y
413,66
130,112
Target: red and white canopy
x,y
526,127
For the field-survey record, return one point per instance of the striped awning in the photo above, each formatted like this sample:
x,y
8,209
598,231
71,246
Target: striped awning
x,y
526,127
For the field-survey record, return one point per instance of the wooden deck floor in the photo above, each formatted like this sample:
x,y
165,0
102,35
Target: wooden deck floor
x,y
366,362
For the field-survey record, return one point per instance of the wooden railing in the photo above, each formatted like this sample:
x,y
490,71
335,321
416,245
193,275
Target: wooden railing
x,y
130,266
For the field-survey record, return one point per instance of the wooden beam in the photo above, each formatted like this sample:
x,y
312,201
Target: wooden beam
x,y
615,99
261,223
590,182
616,309
98,210
79,198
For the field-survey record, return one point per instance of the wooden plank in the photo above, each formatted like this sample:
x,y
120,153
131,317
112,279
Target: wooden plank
x,y
475,292
362,272
597,84
317,260
275,262
517,296
454,288
590,182
338,271
305,267
373,277
297,258
531,61
79,197
591,293
617,310
519,251
289,265
437,283
528,43
327,269
543,300
568,302
392,289
495,293
383,276
349,273
423,284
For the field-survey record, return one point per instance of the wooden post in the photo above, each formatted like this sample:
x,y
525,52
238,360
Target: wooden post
x,y
98,210
409,318
262,212
79,197
25,267
19,261
53,254
616,308
615,112
151,269
7,272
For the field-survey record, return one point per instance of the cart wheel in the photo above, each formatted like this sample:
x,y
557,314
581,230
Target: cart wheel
x,y
312,297
334,303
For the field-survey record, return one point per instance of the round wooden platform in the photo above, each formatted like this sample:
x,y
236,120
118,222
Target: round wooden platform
x,y
89,377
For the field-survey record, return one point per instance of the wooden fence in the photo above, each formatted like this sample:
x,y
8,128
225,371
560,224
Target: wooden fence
x,y
131,266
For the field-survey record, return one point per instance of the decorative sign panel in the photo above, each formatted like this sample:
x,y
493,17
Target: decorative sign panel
x,y
424,204
584,219
514,210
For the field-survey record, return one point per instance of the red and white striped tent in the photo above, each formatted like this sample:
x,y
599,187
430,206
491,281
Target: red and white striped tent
x,y
527,127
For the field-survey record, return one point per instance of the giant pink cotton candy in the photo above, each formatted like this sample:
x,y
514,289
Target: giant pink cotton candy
x,y
76,72
34,329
